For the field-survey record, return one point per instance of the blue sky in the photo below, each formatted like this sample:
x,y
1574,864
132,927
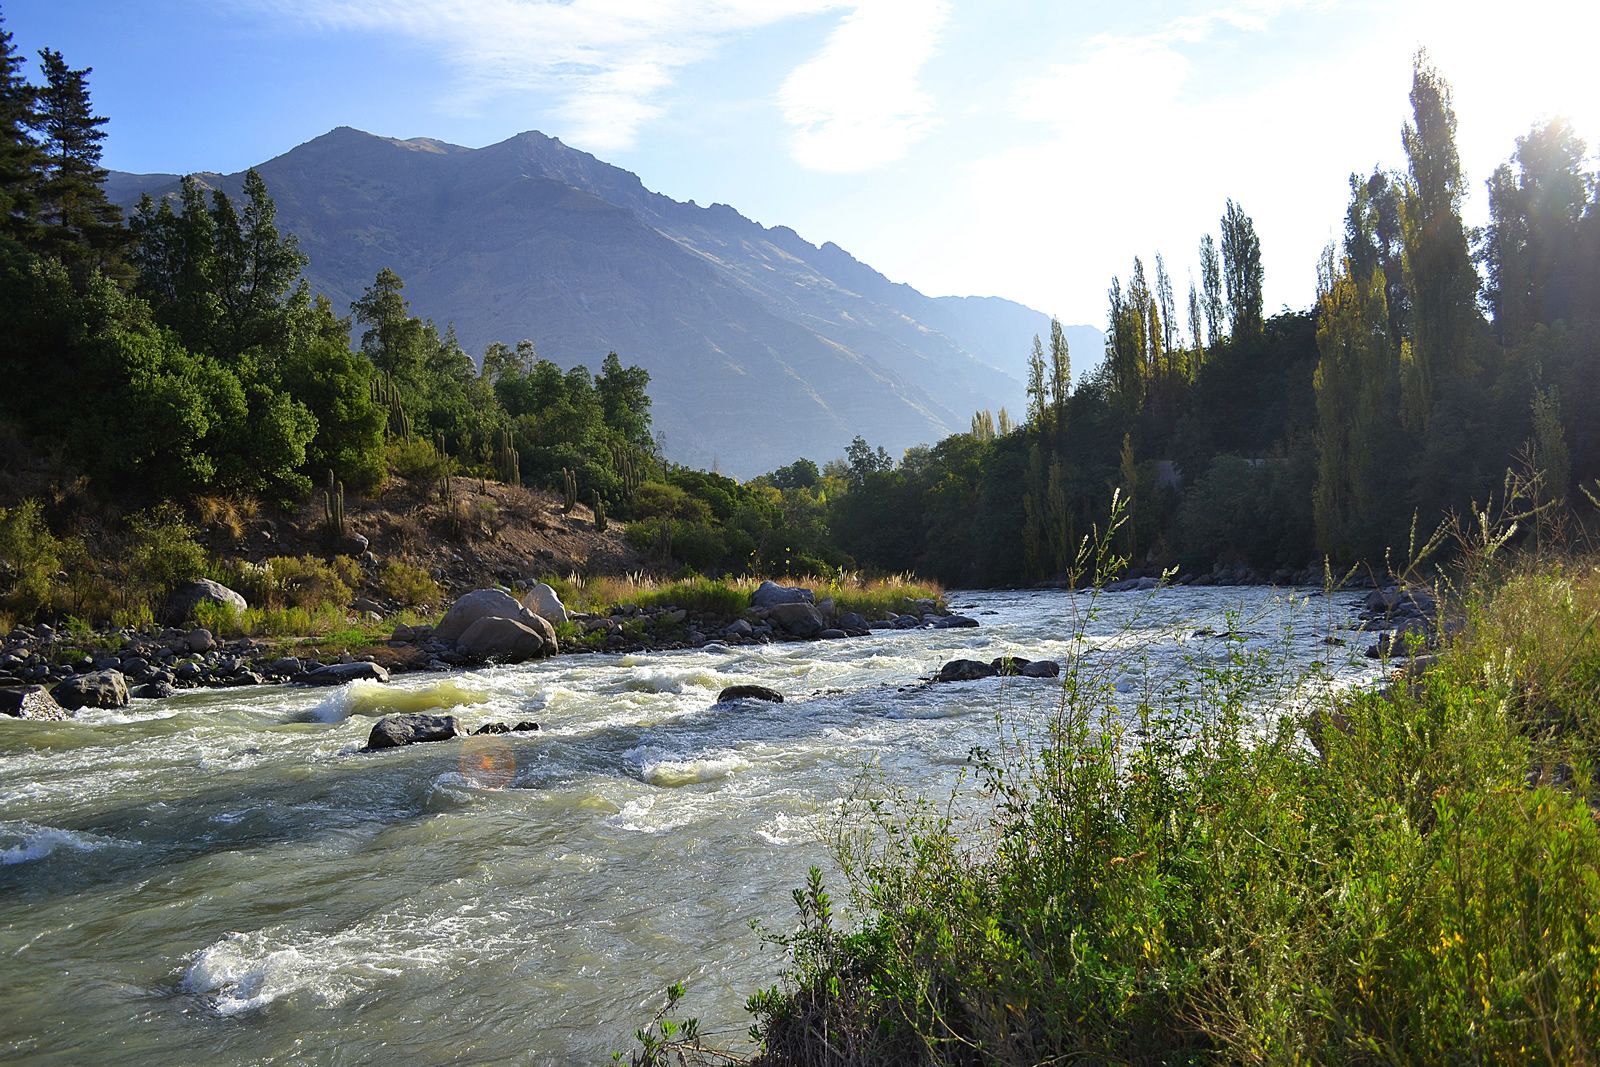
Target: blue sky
x,y
1020,148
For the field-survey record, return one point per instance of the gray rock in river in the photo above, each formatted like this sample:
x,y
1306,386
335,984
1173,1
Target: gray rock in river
x,y
507,640
955,622
340,673
99,689
395,731
1040,668
770,594
965,670
31,702
479,604
749,692
798,619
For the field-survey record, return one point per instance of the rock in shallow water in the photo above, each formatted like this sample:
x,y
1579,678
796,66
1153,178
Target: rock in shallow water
x,y
340,673
749,692
966,670
31,702
395,731
99,689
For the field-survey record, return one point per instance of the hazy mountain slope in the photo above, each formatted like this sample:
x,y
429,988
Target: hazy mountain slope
x,y
761,346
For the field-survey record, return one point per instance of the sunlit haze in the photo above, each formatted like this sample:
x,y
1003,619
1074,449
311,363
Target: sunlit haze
x,y
1023,149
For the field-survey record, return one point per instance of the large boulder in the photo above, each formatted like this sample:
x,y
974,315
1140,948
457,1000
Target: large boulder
x,y
954,622
181,605
479,604
966,670
340,673
543,602
770,594
31,702
507,640
97,689
749,692
393,731
797,618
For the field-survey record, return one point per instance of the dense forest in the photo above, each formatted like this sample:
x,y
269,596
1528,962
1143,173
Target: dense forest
x,y
178,354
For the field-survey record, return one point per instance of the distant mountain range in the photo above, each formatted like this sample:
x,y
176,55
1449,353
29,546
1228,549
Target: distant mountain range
x,y
761,346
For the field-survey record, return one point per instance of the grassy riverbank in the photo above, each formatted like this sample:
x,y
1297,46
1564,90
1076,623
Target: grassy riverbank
x,y
1411,875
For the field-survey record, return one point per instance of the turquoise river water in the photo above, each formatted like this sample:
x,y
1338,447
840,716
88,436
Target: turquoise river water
x,y
222,877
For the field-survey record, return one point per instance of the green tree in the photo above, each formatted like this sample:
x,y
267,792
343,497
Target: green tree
x,y
1438,268
20,159
1060,384
80,224
1241,272
1038,402
1211,283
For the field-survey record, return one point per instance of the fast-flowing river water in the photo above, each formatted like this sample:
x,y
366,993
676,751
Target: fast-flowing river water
x,y
222,877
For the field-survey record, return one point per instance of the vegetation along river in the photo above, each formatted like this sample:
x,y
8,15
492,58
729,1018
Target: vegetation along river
x,y
222,877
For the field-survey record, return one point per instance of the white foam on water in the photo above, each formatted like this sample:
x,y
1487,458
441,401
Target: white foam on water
x,y
34,842
672,773
671,679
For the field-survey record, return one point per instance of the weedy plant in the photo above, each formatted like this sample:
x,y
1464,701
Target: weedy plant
x,y
1173,873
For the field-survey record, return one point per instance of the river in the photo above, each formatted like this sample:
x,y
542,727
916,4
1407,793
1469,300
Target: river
x,y
221,877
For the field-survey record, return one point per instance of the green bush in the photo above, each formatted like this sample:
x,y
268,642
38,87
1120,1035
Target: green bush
x,y
162,553
30,556
409,584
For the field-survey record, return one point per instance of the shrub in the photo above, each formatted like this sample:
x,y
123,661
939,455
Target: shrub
x,y
30,556
413,459
162,552
409,584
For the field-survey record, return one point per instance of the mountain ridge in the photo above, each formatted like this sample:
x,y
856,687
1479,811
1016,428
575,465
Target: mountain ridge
x,y
761,346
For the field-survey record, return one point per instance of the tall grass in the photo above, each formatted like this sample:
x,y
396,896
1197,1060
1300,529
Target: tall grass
x,y
873,598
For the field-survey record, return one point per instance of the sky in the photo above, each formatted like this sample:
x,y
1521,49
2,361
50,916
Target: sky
x,y
1019,148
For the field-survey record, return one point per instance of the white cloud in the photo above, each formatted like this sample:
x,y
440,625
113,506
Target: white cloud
x,y
608,61
858,104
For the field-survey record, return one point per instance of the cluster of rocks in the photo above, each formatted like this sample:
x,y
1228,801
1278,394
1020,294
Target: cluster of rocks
x,y
791,613
969,670
488,626
1226,574
415,728
1405,618
150,663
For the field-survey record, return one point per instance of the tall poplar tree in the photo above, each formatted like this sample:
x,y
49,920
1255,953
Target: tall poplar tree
x,y
1438,268
1060,376
1241,272
1211,287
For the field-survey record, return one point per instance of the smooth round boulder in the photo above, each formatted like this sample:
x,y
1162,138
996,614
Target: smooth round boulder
x,y
1040,668
543,602
770,594
954,622
749,692
199,640
181,605
506,640
412,728
479,604
97,689
799,619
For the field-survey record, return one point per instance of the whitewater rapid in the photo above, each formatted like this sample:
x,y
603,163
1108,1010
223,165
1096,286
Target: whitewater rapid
x,y
223,877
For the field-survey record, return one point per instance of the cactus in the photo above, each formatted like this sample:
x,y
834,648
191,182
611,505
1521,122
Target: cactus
x,y
507,462
569,490
599,514
446,490
333,511
386,394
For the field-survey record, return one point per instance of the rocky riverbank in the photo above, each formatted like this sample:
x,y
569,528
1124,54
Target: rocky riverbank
x,y
46,673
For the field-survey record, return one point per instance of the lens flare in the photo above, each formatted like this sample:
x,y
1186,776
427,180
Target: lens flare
x,y
488,763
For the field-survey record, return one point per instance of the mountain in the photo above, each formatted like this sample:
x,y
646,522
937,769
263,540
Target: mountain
x,y
761,346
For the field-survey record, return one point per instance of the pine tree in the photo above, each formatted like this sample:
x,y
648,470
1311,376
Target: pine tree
x,y
81,225
20,160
